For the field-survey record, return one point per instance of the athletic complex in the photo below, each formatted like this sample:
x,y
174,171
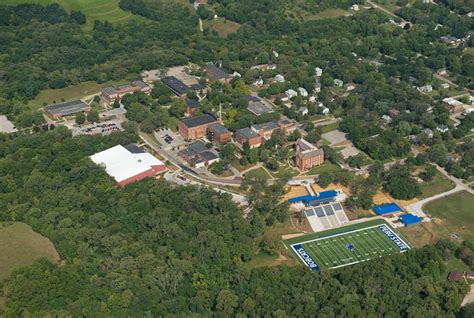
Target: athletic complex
x,y
347,245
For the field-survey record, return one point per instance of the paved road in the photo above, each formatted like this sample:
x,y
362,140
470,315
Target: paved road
x,y
384,10
417,208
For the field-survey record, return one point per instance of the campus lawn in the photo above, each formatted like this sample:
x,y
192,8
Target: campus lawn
x,y
457,212
260,172
439,184
326,167
102,10
330,127
330,249
20,246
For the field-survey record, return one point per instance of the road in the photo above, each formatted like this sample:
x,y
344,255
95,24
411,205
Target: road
x,y
384,10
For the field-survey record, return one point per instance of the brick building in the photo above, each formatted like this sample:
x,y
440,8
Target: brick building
x,y
266,130
247,135
110,94
66,109
196,127
218,133
307,155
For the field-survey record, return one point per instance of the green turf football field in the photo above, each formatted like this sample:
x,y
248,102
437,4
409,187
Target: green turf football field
x,y
349,247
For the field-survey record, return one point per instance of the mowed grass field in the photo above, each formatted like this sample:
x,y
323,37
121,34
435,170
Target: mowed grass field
x,y
222,26
102,10
457,212
20,246
347,245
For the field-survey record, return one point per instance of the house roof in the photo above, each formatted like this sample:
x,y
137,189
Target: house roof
x,y
246,133
208,155
192,103
68,108
271,125
308,150
214,73
178,87
199,120
250,98
259,108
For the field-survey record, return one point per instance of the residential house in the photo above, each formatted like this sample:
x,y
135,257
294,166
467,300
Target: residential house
x,y
445,85
248,136
109,95
442,128
393,112
325,111
258,82
317,87
307,155
338,82
318,71
196,127
291,93
426,89
455,276
215,74
303,92
387,119
454,106
303,111
350,87
428,132
442,72
219,134
279,78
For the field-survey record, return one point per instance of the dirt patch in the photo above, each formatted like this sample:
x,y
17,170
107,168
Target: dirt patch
x,y
290,236
469,298
294,191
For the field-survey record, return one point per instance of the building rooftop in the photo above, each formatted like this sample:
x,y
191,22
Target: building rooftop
x,y
246,133
271,125
192,103
259,108
68,108
178,87
214,73
199,120
218,128
133,148
308,150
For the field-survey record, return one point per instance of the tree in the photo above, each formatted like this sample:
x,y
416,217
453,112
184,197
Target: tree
x,y
93,116
226,302
80,119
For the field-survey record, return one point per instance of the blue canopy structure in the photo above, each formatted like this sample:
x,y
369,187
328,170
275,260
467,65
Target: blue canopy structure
x,y
386,208
409,219
318,197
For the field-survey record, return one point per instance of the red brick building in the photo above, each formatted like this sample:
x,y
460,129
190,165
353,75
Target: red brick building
x,y
110,94
218,133
196,127
247,135
307,155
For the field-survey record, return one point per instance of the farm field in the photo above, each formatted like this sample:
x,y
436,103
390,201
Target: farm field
x,y
20,245
456,211
102,10
347,245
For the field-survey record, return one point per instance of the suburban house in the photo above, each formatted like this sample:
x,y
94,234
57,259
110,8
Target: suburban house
x,y
128,164
317,87
279,78
393,112
192,106
247,135
307,155
318,71
111,94
426,89
198,155
387,119
219,134
215,74
291,93
196,127
66,109
428,132
303,92
176,86
338,82
442,128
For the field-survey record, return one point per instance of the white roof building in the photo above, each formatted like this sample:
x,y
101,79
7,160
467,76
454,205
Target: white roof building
x,y
303,92
279,78
338,82
291,93
387,119
318,71
128,165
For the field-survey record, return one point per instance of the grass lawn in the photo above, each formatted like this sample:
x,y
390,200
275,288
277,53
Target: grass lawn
x,y
326,167
285,170
439,184
222,26
456,211
260,172
103,10
307,16
348,245
20,245
330,127
69,93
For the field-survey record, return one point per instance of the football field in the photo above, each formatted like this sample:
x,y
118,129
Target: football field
x,y
349,247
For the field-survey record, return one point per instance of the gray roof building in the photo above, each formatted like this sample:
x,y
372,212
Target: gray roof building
x,y
199,120
246,133
216,74
176,86
66,109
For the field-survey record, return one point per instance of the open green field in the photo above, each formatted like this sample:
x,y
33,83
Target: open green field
x,y
326,167
222,26
259,172
50,96
330,127
20,245
439,184
347,245
102,10
457,212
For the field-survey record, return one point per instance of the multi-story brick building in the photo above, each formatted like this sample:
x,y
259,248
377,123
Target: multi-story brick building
x,y
218,133
307,155
247,135
110,94
266,130
196,127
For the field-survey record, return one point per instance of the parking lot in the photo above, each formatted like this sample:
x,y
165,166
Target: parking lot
x,y
103,128
335,136
169,140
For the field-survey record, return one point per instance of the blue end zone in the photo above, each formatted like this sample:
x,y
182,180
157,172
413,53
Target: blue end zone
x,y
386,208
394,237
305,257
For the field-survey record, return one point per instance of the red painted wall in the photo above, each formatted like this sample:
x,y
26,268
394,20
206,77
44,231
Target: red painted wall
x,y
144,174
